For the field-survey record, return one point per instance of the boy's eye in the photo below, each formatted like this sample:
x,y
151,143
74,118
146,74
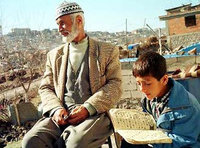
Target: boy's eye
x,y
148,83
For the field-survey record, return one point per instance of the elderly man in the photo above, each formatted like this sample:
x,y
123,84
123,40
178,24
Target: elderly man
x,y
81,82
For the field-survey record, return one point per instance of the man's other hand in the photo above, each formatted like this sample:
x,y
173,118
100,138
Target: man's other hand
x,y
79,114
59,115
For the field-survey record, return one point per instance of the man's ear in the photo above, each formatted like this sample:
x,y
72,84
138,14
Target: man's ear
x,y
79,19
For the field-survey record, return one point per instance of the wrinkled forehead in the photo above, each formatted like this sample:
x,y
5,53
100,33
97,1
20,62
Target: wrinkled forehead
x,y
64,19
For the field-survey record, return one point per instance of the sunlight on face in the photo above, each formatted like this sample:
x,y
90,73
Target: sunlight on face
x,y
151,87
67,28
73,34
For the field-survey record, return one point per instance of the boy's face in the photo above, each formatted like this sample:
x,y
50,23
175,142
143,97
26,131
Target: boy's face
x,y
152,87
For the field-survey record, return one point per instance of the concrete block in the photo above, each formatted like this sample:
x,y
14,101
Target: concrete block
x,y
132,94
23,112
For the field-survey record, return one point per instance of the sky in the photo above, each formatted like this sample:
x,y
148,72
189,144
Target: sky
x,y
100,15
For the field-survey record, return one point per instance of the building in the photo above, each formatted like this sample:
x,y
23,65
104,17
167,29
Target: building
x,y
1,32
183,25
21,31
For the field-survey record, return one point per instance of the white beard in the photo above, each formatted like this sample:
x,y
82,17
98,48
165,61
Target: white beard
x,y
71,36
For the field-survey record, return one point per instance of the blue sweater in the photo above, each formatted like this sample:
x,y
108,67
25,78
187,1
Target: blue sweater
x,y
181,120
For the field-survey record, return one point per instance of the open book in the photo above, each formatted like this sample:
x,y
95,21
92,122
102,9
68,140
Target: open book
x,y
137,127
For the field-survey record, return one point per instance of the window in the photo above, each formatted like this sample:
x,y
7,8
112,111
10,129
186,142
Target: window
x,y
190,21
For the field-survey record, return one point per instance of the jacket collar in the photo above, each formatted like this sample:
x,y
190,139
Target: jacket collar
x,y
178,96
94,65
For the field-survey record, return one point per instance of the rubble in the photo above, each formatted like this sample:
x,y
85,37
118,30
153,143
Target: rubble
x,y
10,130
2,79
10,133
192,51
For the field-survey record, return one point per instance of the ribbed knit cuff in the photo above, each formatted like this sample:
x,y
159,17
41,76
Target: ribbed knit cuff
x,y
54,110
90,108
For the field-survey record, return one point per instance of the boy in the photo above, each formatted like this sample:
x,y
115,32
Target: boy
x,y
175,110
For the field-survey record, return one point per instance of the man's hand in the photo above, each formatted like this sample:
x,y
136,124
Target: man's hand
x,y
59,115
79,114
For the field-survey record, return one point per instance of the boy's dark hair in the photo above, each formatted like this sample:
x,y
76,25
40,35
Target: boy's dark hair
x,y
150,63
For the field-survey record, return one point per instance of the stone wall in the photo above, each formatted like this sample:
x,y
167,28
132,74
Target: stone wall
x,y
183,40
131,95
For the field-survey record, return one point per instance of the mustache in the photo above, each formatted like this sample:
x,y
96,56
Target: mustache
x,y
65,31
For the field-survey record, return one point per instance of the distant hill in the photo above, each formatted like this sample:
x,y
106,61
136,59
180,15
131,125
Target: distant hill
x,y
48,39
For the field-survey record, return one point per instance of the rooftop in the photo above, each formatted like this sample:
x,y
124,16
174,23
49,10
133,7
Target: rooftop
x,y
181,11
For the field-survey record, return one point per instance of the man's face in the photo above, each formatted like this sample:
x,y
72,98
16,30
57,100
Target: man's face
x,y
151,87
67,27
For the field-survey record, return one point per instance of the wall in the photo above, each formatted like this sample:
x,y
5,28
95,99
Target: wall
x,y
131,95
177,26
183,40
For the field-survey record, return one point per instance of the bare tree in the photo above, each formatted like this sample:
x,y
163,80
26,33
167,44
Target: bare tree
x,y
22,65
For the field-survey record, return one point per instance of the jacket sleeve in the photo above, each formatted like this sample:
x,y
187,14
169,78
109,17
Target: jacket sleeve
x,y
47,90
183,129
111,91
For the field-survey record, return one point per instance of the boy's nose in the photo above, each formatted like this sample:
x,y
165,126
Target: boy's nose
x,y
143,89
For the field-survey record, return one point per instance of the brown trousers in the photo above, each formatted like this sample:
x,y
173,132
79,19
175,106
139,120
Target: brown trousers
x,y
91,133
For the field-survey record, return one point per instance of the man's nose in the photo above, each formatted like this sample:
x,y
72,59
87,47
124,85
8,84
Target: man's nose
x,y
60,28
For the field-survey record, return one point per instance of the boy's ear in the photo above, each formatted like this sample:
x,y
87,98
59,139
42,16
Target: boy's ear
x,y
164,79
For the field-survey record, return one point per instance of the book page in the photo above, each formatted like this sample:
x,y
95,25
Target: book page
x,y
131,119
137,127
144,136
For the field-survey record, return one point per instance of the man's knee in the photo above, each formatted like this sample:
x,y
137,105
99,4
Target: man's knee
x,y
77,141
73,139
32,142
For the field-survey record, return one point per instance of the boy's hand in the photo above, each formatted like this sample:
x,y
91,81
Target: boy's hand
x,y
78,115
59,115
